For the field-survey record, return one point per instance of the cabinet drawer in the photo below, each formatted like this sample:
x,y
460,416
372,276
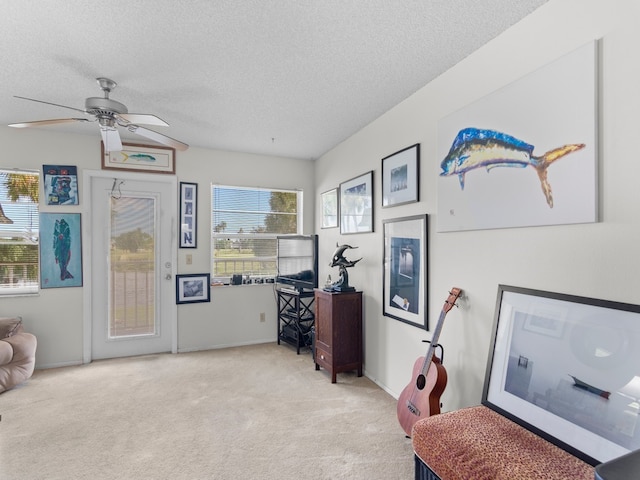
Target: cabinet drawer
x,y
320,345
323,357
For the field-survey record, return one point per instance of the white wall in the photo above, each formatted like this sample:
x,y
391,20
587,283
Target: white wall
x,y
595,260
55,316
233,316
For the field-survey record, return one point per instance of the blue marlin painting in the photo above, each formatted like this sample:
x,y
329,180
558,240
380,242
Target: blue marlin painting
x,y
475,148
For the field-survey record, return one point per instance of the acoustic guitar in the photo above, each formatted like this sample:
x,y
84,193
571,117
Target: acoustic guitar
x,y
421,397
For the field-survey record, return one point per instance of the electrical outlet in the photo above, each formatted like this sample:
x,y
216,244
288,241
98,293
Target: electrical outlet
x,y
262,317
189,259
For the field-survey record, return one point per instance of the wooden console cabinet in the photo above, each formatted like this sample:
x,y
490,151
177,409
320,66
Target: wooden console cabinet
x,y
338,332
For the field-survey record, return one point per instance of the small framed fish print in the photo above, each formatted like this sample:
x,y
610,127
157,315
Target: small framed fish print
x,y
141,158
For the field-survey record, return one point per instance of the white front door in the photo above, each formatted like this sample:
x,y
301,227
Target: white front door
x,y
132,297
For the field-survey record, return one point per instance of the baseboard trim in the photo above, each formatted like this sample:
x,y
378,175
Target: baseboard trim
x,y
223,345
73,363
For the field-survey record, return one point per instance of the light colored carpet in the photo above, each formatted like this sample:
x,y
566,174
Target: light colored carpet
x,y
256,412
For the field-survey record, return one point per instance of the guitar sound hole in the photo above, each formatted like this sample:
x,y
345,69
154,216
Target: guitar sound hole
x,y
421,381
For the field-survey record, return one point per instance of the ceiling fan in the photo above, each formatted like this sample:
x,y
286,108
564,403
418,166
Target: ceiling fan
x,y
110,114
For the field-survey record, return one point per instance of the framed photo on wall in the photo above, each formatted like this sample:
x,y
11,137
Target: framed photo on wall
x,y
401,177
60,184
60,250
141,158
193,288
188,214
404,274
356,204
330,208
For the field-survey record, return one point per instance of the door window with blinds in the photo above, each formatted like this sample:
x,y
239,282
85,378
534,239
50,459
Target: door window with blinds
x,y
19,230
244,226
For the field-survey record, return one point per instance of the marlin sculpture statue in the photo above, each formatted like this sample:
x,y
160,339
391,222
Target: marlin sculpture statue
x,y
475,148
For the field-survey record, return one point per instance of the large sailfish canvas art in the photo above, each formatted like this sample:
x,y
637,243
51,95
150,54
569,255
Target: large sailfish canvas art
x,y
525,155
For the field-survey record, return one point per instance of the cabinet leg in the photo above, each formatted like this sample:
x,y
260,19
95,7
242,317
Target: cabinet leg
x,y
359,371
317,367
333,377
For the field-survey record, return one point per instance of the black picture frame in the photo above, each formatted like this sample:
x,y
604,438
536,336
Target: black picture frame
x,y
193,288
188,230
404,273
60,185
568,369
401,177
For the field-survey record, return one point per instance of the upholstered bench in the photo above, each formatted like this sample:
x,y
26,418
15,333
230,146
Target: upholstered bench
x,y
478,443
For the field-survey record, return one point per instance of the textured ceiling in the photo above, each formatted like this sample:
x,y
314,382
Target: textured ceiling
x,y
290,78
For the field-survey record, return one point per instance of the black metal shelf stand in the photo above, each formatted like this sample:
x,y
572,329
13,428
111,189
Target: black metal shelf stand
x,y
295,317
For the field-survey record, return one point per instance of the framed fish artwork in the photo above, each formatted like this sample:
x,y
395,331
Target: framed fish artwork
x,y
60,250
142,158
525,155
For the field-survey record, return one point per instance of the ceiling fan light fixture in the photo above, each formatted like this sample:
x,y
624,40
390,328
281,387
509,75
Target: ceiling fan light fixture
x,y
110,114
107,122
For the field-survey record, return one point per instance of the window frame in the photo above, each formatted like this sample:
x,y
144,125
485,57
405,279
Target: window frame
x,y
30,287
249,276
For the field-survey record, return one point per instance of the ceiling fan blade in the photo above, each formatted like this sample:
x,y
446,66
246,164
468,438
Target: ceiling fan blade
x,y
49,103
111,139
158,137
144,118
55,121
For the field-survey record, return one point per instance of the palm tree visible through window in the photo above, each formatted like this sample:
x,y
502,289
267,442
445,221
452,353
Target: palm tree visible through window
x,y
245,224
19,232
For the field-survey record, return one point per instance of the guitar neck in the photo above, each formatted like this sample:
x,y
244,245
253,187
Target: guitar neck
x,y
434,342
448,305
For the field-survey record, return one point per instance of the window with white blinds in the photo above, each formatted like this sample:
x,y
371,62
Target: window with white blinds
x,y
19,231
245,223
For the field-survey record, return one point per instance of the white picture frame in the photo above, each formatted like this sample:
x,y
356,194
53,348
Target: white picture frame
x,y
356,204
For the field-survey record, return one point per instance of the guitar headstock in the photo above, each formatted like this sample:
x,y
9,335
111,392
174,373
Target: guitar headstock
x,y
451,299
